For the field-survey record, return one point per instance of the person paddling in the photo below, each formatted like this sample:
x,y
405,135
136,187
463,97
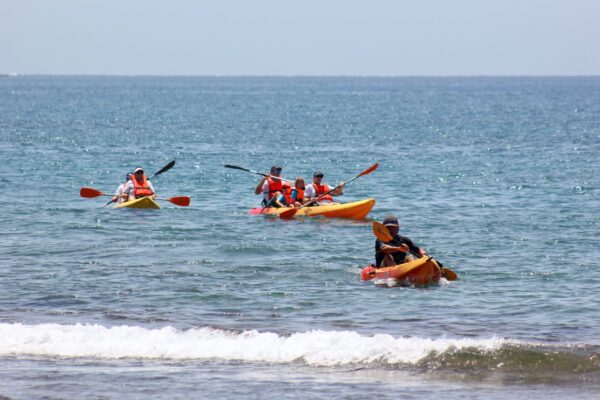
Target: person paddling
x,y
318,188
138,186
271,187
119,197
396,251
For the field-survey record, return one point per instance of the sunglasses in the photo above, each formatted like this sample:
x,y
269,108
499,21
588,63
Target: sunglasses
x,y
139,172
318,176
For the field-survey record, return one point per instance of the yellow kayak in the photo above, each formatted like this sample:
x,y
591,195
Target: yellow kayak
x,y
142,202
355,210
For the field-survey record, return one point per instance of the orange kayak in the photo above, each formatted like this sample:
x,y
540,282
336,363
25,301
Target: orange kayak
x,y
423,271
354,210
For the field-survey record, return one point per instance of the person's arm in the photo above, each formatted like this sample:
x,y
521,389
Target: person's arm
x,y
416,250
128,192
151,187
259,187
339,191
388,249
118,193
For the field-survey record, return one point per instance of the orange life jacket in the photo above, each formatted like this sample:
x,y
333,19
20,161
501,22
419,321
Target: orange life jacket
x,y
299,195
320,189
274,187
287,193
141,189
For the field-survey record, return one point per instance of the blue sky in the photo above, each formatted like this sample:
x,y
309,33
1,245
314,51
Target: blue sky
x,y
308,37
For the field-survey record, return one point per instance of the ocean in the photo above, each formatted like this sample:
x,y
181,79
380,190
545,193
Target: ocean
x,y
497,177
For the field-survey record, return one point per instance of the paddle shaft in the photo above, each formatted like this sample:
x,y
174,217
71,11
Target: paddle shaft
x,y
255,172
365,172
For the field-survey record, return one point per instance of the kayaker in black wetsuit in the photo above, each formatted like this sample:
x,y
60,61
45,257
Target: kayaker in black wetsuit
x,y
396,251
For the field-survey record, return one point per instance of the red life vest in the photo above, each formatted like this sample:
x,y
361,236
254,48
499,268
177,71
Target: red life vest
x,y
320,189
274,187
141,189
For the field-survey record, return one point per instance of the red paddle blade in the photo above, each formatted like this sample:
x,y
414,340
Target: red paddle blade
x,y
288,214
369,170
182,201
89,193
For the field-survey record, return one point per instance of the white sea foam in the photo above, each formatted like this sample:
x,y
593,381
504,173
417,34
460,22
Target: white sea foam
x,y
317,348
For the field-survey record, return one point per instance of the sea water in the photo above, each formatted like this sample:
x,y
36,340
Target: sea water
x,y
498,178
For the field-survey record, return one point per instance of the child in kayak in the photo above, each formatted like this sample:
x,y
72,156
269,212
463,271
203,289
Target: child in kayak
x,y
297,196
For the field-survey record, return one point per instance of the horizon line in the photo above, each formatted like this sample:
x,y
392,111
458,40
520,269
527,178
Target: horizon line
x,y
16,74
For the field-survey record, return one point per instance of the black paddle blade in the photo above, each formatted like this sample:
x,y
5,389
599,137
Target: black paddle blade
x,y
164,169
235,167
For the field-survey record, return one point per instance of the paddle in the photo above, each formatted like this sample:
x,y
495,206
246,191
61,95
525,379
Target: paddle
x,y
160,171
288,214
90,193
255,172
383,234
163,169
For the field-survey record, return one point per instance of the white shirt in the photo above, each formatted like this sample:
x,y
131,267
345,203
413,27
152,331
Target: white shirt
x,y
309,191
119,192
265,190
129,188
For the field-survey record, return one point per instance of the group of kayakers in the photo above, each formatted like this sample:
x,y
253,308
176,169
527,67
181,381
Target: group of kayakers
x,y
136,185
279,192
276,191
390,250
